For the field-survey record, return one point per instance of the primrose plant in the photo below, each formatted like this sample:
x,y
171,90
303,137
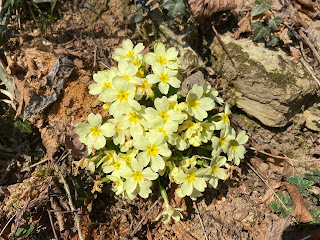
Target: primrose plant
x,y
153,132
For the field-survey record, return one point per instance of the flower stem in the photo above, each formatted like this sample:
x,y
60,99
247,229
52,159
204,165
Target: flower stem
x,y
164,195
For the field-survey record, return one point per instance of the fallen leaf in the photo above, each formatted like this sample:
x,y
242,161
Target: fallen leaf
x,y
276,229
204,9
244,26
187,84
284,37
61,70
301,213
269,194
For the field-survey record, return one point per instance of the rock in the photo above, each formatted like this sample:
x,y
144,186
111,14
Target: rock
x,y
265,83
312,117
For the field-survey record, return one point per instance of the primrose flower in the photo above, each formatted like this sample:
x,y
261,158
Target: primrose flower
x,y
138,179
165,77
128,51
158,125
118,164
191,180
128,71
174,213
197,104
144,89
167,58
224,121
207,131
216,172
120,131
162,110
236,150
152,147
121,95
210,92
186,162
222,143
192,133
103,80
108,158
129,156
93,133
133,121
118,184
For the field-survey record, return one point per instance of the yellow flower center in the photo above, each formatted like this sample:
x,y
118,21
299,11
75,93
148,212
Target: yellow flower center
x,y
109,158
172,105
164,77
193,103
214,170
126,76
117,183
163,131
117,128
145,85
106,85
234,145
152,150
140,73
95,131
162,60
225,117
122,96
222,141
164,116
191,177
137,176
129,53
127,159
117,165
134,118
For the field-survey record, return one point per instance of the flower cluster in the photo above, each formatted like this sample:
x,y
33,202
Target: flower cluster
x,y
153,131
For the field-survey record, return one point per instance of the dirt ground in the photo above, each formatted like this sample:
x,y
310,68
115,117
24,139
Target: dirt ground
x,y
32,193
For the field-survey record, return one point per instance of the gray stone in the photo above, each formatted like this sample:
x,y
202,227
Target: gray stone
x,y
265,83
312,117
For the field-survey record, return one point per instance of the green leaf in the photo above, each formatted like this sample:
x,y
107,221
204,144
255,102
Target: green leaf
x,y
275,23
273,41
174,7
314,176
260,31
24,232
301,184
22,127
259,7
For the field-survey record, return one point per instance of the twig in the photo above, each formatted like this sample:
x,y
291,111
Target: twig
x,y
52,226
38,163
4,228
76,217
305,64
280,157
315,52
144,217
267,184
222,44
201,222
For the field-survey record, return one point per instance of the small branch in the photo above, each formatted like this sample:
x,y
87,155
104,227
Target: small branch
x,y
144,217
76,216
4,228
315,52
306,65
201,222
223,45
52,226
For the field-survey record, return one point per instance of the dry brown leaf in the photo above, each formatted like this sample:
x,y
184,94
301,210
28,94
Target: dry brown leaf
x,y
295,53
284,36
204,9
269,194
244,26
301,213
276,230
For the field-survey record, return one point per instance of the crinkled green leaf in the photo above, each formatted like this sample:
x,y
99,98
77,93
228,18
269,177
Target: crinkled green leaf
x,y
273,41
260,31
259,7
174,7
302,184
274,23
314,176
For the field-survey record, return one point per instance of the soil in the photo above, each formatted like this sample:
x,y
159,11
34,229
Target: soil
x,y
32,194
